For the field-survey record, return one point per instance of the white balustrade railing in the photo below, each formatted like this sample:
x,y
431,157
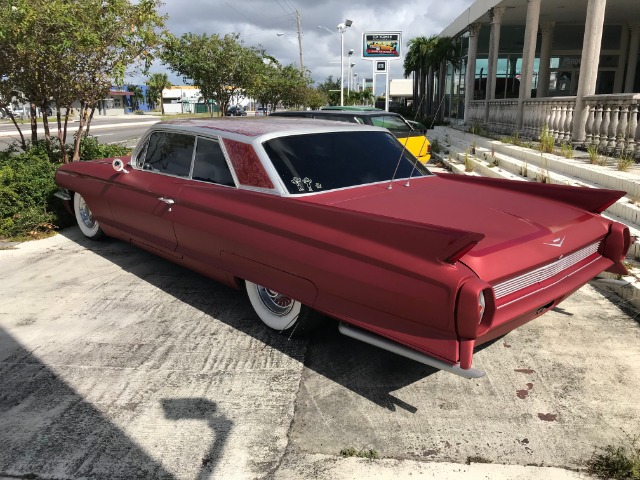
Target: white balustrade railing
x,y
612,122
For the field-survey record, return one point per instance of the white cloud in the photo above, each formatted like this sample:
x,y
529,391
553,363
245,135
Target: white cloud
x,y
259,21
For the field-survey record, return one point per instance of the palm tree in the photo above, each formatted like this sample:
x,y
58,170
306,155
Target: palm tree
x,y
157,82
447,50
136,98
417,61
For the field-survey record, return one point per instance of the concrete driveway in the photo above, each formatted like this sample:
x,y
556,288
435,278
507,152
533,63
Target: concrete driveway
x,y
118,364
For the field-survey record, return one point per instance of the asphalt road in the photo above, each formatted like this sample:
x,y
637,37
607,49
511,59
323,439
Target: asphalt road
x,y
125,130
117,364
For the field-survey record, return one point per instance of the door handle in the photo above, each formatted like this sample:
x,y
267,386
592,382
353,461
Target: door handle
x,y
168,201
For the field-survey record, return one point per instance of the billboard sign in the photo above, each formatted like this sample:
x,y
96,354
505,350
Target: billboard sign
x,y
381,45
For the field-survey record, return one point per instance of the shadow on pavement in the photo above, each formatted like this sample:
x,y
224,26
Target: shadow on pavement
x,y
46,428
366,370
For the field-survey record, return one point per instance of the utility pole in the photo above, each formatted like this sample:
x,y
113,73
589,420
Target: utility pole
x,y
300,43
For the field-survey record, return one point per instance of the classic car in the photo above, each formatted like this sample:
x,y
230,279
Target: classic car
x,y
317,220
415,141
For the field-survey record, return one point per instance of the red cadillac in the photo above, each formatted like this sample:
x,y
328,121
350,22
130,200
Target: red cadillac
x,y
313,218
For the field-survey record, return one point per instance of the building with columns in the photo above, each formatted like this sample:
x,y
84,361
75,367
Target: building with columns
x,y
568,65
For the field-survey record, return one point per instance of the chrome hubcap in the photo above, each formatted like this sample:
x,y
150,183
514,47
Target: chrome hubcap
x,y
275,302
85,214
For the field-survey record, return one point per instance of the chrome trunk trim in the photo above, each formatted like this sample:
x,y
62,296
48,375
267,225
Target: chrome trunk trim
x,y
545,272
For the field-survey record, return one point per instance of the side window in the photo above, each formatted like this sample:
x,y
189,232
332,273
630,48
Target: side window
x,y
169,153
391,122
210,165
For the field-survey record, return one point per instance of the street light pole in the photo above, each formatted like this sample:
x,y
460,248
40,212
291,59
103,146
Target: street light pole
x,y
341,28
349,77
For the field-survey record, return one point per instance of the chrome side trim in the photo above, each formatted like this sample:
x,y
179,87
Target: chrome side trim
x,y
391,346
545,272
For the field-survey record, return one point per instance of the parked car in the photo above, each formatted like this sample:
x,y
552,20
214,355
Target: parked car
x,y
309,216
415,140
263,111
236,111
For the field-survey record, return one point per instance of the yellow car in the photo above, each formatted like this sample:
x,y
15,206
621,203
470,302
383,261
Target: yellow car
x,y
413,138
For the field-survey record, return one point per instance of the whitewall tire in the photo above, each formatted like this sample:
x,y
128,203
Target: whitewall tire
x,y
89,226
280,312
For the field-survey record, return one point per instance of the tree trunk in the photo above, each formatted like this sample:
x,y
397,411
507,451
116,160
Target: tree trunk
x,y
61,136
34,123
161,103
23,142
441,76
93,109
83,115
430,91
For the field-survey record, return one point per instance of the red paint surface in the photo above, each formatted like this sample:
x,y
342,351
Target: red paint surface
x,y
247,165
369,256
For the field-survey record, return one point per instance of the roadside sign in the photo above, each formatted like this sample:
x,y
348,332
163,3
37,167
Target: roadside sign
x,y
382,45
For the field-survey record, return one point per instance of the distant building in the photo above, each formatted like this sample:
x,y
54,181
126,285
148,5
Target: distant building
x,y
571,66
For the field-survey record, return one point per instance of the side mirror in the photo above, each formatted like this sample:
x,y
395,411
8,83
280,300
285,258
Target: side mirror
x,y
118,165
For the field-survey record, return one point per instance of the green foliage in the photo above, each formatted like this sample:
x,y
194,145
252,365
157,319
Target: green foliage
x,y
352,452
156,83
73,51
547,141
26,194
91,149
617,462
435,146
331,89
222,67
27,205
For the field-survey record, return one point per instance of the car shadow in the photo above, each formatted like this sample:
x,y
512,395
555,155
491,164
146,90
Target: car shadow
x,y
366,370
47,428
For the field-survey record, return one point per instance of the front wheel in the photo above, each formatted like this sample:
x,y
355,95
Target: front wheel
x,y
89,226
280,312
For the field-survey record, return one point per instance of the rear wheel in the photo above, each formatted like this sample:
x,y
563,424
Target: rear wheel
x,y
89,226
280,312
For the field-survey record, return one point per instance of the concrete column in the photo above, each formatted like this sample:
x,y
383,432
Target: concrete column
x,y
634,43
545,59
528,57
589,62
494,48
622,59
470,77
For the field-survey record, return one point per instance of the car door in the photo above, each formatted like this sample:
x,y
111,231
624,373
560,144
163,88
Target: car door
x,y
142,200
205,205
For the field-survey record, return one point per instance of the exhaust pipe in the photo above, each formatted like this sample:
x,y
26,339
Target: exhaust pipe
x,y
391,346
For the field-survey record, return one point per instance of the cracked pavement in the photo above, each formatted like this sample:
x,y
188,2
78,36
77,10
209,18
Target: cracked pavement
x,y
115,363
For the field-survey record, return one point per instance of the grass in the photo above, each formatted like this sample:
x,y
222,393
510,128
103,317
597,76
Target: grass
x,y
435,146
616,462
625,161
513,139
524,169
352,452
566,150
547,142
468,163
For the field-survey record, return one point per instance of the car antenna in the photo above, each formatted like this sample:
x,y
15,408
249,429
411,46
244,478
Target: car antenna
x,y
390,186
425,136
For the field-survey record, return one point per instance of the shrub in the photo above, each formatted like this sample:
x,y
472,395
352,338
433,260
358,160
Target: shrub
x,y
566,150
26,195
435,146
28,207
617,462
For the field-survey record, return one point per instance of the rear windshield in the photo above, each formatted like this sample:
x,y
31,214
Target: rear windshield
x,y
326,161
392,123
